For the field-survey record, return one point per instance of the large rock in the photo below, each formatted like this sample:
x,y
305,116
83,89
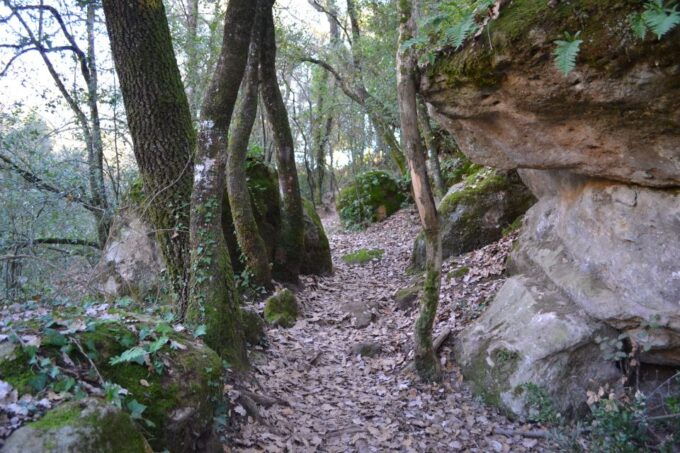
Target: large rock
x,y
86,426
509,107
475,212
598,254
131,261
371,197
179,383
316,256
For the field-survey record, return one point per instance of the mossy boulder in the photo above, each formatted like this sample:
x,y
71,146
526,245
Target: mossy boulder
x,y
281,309
475,213
86,426
179,384
265,200
363,256
316,255
253,326
407,298
371,197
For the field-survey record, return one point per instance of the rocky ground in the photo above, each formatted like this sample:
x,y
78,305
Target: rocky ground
x,y
339,380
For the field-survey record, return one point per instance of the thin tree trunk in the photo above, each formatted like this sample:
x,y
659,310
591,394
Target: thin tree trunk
x,y
213,299
247,233
289,251
96,147
433,151
191,81
426,362
160,125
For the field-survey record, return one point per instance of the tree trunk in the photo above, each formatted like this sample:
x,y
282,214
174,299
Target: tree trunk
x,y
191,80
160,125
96,146
426,362
289,251
247,233
432,148
213,299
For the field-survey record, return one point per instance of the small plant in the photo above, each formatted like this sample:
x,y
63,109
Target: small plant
x,y
363,256
619,425
541,407
657,18
566,51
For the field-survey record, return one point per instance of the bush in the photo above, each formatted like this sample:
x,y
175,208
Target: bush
x,y
371,197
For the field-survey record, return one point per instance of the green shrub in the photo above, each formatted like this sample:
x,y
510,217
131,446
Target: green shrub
x,y
371,197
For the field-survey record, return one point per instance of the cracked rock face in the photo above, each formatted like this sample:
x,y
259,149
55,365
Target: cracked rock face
x,y
599,254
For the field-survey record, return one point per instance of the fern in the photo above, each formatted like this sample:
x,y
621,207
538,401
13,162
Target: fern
x,y
637,24
458,33
566,51
659,18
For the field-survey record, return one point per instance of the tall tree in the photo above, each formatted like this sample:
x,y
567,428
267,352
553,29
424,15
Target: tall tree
x,y
160,125
289,251
426,361
431,142
213,297
247,232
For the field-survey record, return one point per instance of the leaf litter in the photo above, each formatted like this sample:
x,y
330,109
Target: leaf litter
x,y
335,401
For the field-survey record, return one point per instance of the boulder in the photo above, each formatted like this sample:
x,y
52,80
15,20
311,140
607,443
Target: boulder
x,y
281,309
371,197
253,326
316,255
178,383
508,106
85,426
597,256
131,261
475,212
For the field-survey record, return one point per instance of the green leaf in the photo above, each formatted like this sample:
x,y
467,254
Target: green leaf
x,y
135,354
458,33
158,344
136,408
38,382
637,24
660,19
565,53
200,331
54,338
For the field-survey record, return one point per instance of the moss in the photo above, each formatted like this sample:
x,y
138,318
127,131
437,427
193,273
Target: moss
x,y
490,381
253,326
514,226
15,370
58,417
425,361
317,258
460,272
370,197
281,309
363,256
478,183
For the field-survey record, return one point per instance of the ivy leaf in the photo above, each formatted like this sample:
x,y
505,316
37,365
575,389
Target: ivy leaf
x,y
136,409
565,53
660,19
135,354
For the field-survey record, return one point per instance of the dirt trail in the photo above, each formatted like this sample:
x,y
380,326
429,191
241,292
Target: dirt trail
x,y
338,401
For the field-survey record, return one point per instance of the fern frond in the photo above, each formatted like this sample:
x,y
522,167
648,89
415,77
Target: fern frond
x,y
638,25
458,33
660,19
565,53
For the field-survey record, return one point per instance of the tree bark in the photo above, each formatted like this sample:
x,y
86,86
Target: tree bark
x,y
432,149
289,251
426,362
247,232
160,125
213,299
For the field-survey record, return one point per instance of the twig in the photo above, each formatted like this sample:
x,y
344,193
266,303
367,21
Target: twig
x,y
263,400
439,341
535,434
662,417
80,348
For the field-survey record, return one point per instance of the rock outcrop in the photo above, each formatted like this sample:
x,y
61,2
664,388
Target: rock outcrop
x,y
476,211
371,197
88,426
598,257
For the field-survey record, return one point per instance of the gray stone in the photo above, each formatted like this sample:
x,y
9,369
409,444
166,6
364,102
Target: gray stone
x,y
366,349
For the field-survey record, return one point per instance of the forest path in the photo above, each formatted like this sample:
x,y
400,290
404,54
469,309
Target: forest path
x,y
338,401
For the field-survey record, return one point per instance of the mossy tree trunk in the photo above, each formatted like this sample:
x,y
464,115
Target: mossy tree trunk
x,y
426,362
247,232
289,252
431,143
213,300
160,125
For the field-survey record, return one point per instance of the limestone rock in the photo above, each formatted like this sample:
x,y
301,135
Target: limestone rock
x,y
86,426
407,298
131,261
281,309
509,107
532,334
371,197
475,212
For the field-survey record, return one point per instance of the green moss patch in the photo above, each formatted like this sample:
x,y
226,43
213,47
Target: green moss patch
x,y
281,309
363,256
371,197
